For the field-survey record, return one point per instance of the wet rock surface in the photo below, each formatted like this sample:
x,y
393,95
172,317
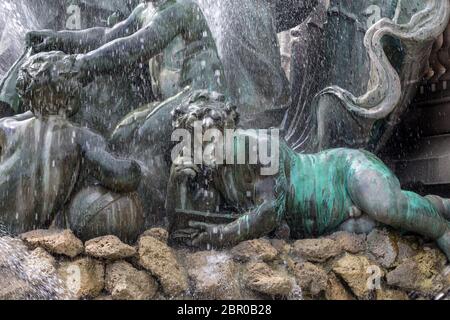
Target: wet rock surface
x,y
84,277
312,279
335,289
356,272
159,259
125,282
61,242
213,275
317,250
425,272
157,233
254,250
260,277
109,247
350,242
383,247
342,266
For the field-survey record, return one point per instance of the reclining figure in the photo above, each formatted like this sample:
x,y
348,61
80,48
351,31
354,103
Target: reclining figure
x,y
42,153
314,194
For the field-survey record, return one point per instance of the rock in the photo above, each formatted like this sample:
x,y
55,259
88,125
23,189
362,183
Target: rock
x,y
281,246
13,288
357,272
383,247
316,250
387,294
335,290
405,276
124,282
213,275
259,277
62,242
157,233
109,247
104,298
43,261
83,277
446,276
254,250
406,249
159,259
25,274
11,247
350,242
312,279
423,273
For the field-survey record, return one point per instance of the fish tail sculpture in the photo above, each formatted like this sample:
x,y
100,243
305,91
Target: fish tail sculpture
x,y
390,87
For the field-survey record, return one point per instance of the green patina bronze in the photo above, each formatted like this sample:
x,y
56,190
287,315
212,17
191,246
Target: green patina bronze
x,y
315,194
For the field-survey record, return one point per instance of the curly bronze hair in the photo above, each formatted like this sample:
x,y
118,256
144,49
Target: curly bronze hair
x,y
48,85
203,104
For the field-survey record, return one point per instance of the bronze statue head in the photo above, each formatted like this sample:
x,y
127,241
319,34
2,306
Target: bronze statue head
x,y
210,108
49,85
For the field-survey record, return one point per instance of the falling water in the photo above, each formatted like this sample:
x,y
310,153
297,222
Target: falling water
x,y
24,276
16,18
247,43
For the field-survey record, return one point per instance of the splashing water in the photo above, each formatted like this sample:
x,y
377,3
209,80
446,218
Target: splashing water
x,y
25,276
247,43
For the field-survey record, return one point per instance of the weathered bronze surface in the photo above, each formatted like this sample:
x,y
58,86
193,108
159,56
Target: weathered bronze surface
x,y
376,82
86,119
43,154
314,193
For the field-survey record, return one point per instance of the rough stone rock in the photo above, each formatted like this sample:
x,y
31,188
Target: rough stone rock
x,y
422,273
383,246
357,272
9,247
316,250
109,247
213,275
388,294
104,298
124,282
84,277
446,275
312,279
281,246
407,249
61,242
13,288
160,260
350,242
259,277
157,233
43,261
335,290
25,274
254,250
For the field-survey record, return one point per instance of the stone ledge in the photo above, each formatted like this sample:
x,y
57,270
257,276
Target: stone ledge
x,y
341,266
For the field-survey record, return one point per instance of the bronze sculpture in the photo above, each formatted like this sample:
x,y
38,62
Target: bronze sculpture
x,y
314,193
42,153
364,100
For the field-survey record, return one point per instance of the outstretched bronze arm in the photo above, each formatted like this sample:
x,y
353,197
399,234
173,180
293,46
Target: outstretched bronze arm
x,y
139,47
256,223
82,41
120,175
